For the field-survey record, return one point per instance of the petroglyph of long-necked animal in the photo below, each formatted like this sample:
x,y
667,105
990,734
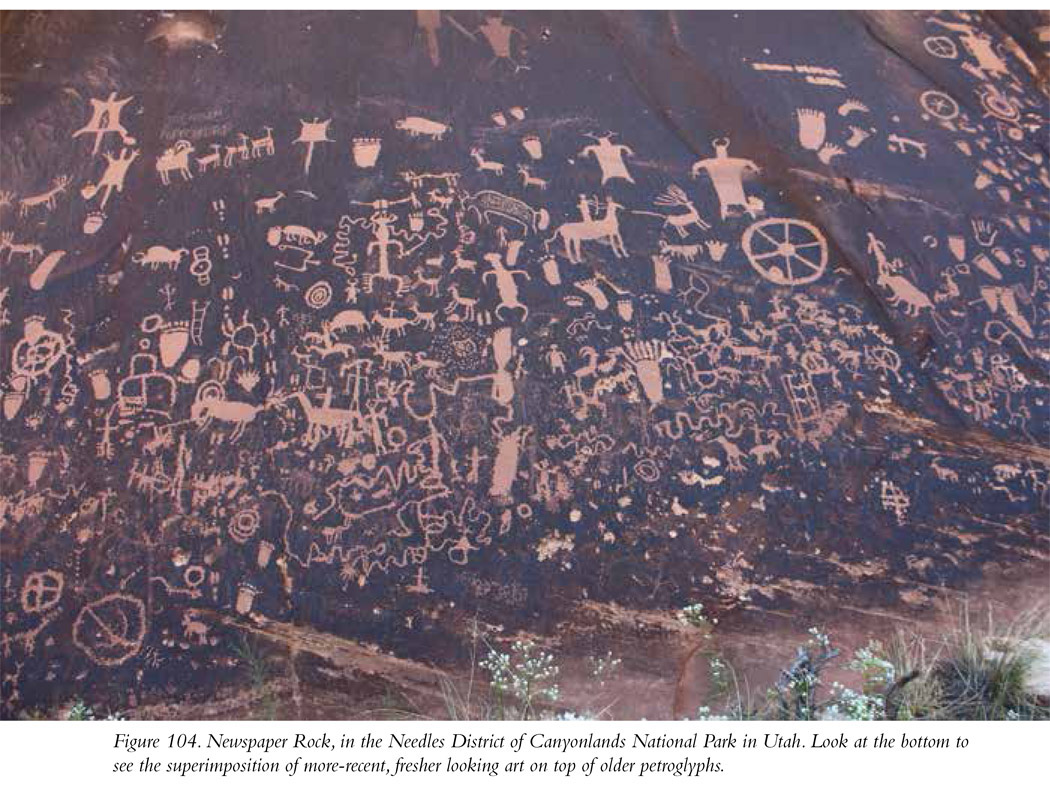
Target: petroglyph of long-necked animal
x,y
47,199
424,320
528,179
734,456
263,146
241,149
429,283
325,420
268,204
483,164
468,304
462,263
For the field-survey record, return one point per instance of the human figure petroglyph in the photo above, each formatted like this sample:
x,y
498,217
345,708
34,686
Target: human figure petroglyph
x,y
727,176
609,157
506,286
113,177
105,119
500,37
243,337
573,234
311,133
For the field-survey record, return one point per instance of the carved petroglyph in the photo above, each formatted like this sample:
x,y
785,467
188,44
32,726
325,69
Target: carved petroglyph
x,y
445,361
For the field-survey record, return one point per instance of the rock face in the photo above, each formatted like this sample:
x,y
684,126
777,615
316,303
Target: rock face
x,y
361,325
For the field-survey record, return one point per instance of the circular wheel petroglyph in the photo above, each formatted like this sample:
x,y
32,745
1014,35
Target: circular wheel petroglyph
x,y
940,105
786,251
41,591
941,46
1000,106
110,631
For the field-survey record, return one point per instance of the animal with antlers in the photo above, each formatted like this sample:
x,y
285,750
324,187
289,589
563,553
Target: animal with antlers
x,y
46,199
391,358
263,146
29,250
429,283
675,197
390,324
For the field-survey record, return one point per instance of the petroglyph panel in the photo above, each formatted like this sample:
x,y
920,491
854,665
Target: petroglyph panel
x,y
370,321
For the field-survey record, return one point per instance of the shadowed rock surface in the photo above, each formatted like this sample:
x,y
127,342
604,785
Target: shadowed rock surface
x,y
365,333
